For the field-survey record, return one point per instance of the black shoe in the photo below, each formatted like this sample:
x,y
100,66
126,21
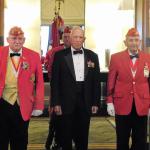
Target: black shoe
x,y
47,147
56,147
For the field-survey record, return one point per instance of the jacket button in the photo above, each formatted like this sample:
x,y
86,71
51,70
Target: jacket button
x,y
131,92
133,82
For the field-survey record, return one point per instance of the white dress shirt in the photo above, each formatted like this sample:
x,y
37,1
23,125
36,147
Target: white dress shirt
x,y
78,62
133,61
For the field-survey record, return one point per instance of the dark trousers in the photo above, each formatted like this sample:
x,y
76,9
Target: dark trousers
x,y
13,129
75,126
133,125
54,131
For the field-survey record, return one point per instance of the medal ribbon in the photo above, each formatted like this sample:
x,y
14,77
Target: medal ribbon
x,y
16,66
134,66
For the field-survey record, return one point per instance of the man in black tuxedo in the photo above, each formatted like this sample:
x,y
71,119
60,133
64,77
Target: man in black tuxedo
x,y
75,86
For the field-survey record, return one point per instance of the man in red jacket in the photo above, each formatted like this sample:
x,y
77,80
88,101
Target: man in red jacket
x,y
128,92
50,54
20,73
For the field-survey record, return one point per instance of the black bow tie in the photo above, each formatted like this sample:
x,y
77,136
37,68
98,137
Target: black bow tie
x,y
14,54
134,56
77,52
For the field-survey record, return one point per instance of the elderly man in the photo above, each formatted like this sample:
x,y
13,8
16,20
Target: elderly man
x,y
50,54
55,121
21,90
128,96
75,90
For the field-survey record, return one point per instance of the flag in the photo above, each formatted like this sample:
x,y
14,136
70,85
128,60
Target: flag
x,y
57,24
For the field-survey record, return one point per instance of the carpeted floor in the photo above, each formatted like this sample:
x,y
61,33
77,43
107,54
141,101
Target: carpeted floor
x,y
101,136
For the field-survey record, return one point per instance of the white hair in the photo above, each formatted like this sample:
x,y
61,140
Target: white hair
x,y
74,28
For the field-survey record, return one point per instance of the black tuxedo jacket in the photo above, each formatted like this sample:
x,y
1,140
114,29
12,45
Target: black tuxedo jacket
x,y
63,82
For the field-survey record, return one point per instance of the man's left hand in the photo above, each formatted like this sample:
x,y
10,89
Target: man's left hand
x,y
37,113
94,109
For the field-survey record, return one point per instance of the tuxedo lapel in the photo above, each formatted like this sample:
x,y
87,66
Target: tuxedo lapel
x,y
126,63
23,60
140,64
85,63
69,61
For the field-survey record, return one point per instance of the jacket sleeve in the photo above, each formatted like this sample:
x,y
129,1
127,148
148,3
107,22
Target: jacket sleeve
x,y
39,95
55,80
96,82
112,75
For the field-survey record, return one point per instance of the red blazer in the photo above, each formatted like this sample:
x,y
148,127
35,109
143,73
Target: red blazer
x,y
50,58
122,88
30,71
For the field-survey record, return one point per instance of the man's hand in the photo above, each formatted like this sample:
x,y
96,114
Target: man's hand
x,y
50,110
37,113
110,109
57,110
94,109
149,112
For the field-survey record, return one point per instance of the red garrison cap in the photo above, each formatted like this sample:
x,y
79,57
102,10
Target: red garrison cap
x,y
67,29
16,31
132,32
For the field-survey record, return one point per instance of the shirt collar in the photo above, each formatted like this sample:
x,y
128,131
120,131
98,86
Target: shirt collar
x,y
131,53
11,51
73,49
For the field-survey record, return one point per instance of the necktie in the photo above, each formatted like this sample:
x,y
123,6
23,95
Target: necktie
x,y
77,52
134,56
14,54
